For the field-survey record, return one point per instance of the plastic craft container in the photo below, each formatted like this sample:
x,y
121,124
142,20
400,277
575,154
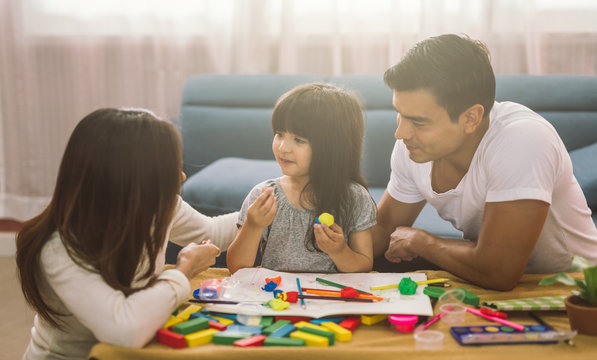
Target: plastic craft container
x,y
451,306
403,323
429,340
210,289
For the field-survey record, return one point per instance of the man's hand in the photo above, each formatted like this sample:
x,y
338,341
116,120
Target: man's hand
x,y
400,241
329,239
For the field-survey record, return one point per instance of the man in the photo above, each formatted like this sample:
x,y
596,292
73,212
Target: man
x,y
497,171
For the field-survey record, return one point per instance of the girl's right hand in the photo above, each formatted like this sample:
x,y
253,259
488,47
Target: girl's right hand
x,y
195,258
262,212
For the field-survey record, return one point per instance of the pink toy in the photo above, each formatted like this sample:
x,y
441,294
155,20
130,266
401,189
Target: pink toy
x,y
404,323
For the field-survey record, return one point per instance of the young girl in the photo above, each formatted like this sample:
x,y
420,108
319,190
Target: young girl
x,y
91,264
318,136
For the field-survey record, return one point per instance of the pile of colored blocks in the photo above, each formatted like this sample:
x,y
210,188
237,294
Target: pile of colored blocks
x,y
194,326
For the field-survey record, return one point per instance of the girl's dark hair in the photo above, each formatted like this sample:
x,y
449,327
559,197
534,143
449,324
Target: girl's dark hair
x,y
332,120
455,69
115,196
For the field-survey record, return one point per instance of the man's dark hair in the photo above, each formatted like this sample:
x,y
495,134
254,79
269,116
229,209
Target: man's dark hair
x,y
455,69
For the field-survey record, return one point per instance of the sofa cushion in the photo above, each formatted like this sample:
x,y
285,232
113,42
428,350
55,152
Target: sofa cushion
x,y
584,165
222,186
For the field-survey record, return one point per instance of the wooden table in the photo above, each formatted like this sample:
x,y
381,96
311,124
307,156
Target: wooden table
x,y
380,341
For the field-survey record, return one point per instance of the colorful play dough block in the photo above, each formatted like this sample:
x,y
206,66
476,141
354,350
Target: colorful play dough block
x,y
172,320
324,333
266,321
202,315
217,325
283,341
255,340
326,218
250,329
337,320
223,320
316,329
219,314
310,339
283,331
275,326
351,323
191,326
228,337
171,339
186,313
372,319
200,337
293,319
340,333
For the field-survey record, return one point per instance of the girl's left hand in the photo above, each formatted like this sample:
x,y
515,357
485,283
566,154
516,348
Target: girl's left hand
x,y
329,239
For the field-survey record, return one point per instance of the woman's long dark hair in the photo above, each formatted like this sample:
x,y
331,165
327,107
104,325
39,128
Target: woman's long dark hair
x,y
115,196
331,119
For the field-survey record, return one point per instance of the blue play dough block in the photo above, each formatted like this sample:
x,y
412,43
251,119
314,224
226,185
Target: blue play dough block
x,y
283,331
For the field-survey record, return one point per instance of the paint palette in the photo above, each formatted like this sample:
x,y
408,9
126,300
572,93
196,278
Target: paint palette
x,y
501,334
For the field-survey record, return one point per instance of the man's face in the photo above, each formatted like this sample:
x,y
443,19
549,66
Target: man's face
x,y
425,126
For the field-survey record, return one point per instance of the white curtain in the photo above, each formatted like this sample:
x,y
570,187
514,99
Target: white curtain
x,y
61,59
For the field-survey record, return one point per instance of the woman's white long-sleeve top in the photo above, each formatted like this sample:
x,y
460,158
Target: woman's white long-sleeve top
x,y
95,312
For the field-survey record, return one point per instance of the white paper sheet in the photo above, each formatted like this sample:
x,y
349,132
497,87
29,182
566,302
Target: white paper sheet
x,y
252,280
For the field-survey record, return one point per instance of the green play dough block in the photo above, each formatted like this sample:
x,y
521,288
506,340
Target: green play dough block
x,y
191,326
283,341
407,286
228,337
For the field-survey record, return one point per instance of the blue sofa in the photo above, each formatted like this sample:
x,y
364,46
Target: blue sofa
x,y
225,121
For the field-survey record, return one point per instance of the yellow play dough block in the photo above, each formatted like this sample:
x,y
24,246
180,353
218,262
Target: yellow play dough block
x,y
340,333
186,313
200,337
372,319
173,320
310,339
326,218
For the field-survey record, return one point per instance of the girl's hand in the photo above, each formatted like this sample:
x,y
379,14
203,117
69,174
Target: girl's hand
x,y
195,258
262,212
329,239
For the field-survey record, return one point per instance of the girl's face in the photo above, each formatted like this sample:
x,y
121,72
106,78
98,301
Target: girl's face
x,y
293,154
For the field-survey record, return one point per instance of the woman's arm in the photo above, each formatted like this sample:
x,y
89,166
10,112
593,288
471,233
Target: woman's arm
x,y
112,317
189,225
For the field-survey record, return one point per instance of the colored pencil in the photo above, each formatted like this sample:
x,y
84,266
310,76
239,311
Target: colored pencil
x,y
331,283
434,319
300,291
435,282
432,281
496,319
337,298
337,293
212,301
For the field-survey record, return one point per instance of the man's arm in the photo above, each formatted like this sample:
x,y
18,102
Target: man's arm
x,y
392,213
509,232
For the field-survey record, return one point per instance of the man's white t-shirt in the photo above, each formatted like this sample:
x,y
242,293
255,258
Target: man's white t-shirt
x,y
521,156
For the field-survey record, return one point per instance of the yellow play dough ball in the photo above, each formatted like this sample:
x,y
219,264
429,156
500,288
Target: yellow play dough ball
x,y
326,218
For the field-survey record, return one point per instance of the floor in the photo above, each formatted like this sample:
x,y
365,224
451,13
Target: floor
x,y
16,316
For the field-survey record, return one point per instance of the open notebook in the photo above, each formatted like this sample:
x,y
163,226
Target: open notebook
x,y
252,280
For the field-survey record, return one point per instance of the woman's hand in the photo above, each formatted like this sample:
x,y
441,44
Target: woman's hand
x,y
194,258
